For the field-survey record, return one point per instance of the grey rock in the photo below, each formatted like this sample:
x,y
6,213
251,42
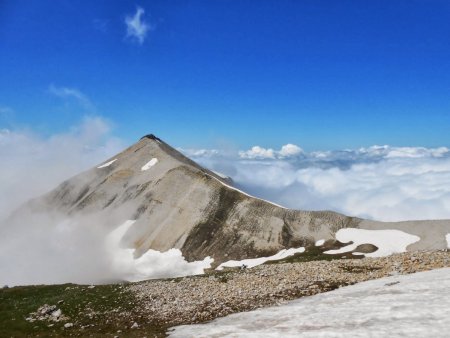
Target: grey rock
x,y
57,313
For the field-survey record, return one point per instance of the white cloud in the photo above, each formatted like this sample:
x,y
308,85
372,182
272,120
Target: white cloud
x,y
152,264
391,189
33,164
379,182
72,93
136,27
257,152
290,150
416,152
286,151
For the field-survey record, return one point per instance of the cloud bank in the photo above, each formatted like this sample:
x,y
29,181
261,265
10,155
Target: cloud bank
x,y
39,249
137,28
380,182
33,164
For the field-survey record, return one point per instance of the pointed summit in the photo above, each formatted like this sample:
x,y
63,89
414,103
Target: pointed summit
x,y
151,137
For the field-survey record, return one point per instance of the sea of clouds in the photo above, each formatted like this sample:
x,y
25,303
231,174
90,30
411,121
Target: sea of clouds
x,y
379,182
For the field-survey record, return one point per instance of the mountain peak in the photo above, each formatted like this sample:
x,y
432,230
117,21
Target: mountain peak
x,y
151,137
175,203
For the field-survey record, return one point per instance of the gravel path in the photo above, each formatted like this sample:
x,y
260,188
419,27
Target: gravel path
x,y
201,298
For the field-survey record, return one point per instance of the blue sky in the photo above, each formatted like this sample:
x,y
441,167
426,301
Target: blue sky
x,y
320,74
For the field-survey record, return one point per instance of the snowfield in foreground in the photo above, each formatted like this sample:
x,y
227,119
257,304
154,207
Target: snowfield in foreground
x,y
415,305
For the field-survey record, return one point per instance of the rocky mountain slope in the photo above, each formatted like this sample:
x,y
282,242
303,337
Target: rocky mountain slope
x,y
178,204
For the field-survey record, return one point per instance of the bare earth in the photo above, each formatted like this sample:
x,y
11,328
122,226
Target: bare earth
x,y
202,298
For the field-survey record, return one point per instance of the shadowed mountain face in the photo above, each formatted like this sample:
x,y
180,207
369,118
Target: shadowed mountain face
x,y
178,204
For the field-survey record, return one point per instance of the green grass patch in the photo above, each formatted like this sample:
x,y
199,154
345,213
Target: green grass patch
x,y
99,311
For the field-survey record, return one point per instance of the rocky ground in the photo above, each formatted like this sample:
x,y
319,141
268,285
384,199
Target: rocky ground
x,y
198,299
150,308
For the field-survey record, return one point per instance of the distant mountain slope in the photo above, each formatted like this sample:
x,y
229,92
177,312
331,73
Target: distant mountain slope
x,y
178,204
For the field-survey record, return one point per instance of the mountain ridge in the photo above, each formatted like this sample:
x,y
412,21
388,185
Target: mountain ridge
x,y
179,204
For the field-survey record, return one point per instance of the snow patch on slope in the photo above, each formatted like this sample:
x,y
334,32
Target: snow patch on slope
x,y
252,262
414,307
388,242
447,237
107,164
320,242
152,264
149,164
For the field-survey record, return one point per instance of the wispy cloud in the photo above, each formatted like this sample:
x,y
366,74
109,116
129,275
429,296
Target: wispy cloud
x,y
137,28
72,93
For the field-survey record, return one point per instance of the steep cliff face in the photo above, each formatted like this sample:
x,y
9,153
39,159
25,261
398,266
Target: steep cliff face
x,y
178,204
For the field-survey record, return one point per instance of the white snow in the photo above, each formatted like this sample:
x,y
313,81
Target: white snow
x,y
107,164
320,242
417,306
152,264
252,262
447,237
150,164
242,192
388,242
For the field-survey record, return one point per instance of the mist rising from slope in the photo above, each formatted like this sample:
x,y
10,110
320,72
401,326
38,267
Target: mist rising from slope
x,y
33,164
50,248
